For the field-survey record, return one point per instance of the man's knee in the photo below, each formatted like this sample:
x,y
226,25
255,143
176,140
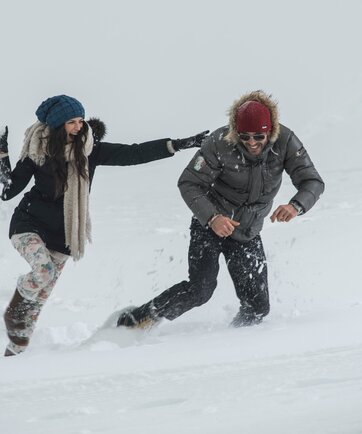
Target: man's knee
x,y
203,289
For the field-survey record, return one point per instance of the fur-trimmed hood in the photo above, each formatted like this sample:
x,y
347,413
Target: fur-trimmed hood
x,y
99,129
263,98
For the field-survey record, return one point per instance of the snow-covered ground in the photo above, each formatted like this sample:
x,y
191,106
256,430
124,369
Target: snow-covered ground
x,y
299,371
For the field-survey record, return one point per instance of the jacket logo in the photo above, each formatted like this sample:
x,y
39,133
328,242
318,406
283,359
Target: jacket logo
x,y
199,163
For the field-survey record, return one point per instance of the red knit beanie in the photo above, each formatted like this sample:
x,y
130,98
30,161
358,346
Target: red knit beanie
x,y
253,116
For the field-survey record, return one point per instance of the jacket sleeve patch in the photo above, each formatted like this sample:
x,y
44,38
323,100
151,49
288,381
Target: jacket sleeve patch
x,y
199,163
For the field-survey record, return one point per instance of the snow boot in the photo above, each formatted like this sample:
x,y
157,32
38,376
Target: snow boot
x,y
246,317
20,318
143,317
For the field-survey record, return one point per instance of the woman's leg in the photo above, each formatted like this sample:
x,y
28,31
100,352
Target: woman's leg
x,y
32,290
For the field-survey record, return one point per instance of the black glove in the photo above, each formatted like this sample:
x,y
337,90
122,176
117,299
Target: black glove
x,y
5,172
4,141
190,142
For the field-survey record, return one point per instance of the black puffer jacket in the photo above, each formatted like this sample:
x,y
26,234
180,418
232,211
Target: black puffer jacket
x,y
39,212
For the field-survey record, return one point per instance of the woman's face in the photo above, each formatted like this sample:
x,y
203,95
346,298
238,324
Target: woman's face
x,y
72,127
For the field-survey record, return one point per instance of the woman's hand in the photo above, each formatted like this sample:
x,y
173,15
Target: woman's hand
x,y
4,162
4,142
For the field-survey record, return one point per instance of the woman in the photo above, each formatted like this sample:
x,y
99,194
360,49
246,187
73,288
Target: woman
x,y
52,223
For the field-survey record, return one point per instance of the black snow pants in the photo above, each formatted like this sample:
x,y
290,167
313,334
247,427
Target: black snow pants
x,y
246,264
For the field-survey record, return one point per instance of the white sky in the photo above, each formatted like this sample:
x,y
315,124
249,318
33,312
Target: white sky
x,y
170,68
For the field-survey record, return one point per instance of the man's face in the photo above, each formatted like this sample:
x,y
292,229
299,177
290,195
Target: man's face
x,y
254,142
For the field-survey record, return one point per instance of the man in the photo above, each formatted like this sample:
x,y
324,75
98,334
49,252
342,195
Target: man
x,y
229,186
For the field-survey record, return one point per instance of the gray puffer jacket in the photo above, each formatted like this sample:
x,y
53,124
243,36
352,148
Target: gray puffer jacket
x,y
223,178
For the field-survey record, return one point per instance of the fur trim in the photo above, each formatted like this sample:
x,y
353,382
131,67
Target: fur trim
x,y
98,127
263,98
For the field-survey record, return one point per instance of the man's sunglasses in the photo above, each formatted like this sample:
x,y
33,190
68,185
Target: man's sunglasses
x,y
257,137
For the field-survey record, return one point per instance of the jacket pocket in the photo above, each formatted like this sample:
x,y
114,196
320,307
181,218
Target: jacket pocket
x,y
47,214
251,217
245,216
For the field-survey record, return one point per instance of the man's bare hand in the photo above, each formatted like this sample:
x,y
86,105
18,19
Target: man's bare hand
x,y
223,226
284,213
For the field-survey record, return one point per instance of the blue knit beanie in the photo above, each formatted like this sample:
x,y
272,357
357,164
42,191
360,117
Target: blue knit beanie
x,y
57,110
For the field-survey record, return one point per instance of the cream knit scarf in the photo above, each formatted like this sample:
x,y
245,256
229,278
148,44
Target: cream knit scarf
x,y
77,221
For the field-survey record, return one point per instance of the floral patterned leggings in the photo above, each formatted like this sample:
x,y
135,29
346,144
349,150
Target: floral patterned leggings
x,y
33,289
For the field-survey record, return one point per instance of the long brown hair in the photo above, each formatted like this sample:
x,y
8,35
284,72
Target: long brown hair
x,y
56,142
